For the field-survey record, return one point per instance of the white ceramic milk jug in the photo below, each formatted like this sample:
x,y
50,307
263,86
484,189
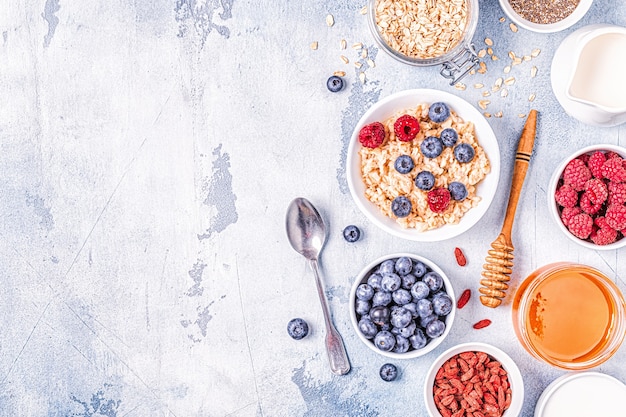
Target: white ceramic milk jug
x,y
588,76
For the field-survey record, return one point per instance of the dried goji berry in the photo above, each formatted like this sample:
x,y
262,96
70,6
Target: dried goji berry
x,y
464,298
460,257
482,323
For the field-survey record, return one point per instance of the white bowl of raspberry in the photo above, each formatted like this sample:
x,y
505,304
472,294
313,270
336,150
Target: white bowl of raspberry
x,y
587,197
423,165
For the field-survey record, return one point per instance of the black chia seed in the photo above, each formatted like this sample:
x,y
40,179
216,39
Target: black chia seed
x,y
544,11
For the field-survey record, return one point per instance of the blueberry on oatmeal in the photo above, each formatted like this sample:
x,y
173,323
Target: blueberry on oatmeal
x,y
431,147
464,153
401,206
404,164
425,180
438,112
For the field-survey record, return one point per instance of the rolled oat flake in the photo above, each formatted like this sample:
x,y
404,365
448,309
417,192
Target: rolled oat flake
x,y
544,11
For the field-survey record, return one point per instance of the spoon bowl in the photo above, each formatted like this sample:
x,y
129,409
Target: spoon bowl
x,y
306,232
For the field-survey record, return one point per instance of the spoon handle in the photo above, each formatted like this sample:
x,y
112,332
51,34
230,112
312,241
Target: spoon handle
x,y
337,356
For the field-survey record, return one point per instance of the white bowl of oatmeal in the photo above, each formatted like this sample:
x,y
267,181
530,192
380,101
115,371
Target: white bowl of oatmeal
x,y
374,183
545,16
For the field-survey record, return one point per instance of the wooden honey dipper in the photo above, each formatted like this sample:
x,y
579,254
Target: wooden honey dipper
x,y
499,262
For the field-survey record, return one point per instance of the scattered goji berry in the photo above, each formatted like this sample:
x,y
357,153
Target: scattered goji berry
x,y
464,298
460,257
482,324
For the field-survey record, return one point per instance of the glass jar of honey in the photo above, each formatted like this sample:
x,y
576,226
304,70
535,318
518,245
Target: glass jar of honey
x,y
569,315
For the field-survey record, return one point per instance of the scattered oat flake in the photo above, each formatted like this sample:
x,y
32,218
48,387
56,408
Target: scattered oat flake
x,y
362,77
482,68
513,27
459,86
521,115
490,51
509,81
344,59
482,53
314,45
498,114
511,54
507,69
517,61
364,53
533,71
527,58
357,45
357,64
363,10
488,41
504,92
330,20
478,85
487,115
535,52
472,71
502,19
483,104
531,97
339,73
498,82
371,63
494,57
486,93
343,44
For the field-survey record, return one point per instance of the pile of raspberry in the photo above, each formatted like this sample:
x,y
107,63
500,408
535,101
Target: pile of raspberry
x,y
591,195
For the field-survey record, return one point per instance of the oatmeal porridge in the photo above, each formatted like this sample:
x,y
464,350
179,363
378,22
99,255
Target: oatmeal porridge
x,y
438,185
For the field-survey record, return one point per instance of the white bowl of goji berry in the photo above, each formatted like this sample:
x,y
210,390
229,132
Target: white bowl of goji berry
x,y
587,197
476,377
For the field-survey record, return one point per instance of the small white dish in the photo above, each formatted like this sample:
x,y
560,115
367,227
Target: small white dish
x,y
572,19
581,394
514,376
553,207
386,108
362,278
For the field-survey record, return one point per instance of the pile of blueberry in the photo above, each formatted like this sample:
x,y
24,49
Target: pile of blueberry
x,y
402,305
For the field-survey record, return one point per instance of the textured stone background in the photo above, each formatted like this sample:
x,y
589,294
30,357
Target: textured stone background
x,y
148,152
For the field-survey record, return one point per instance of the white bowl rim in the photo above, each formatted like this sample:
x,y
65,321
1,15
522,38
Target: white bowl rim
x,y
486,189
578,13
515,377
552,205
433,343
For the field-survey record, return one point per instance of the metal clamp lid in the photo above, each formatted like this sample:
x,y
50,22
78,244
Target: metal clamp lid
x,y
460,65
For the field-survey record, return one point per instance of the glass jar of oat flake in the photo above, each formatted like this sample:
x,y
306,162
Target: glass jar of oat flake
x,y
428,32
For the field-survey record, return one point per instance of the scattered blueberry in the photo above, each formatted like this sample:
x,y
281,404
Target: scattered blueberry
x,y
403,265
384,340
402,344
404,164
434,281
400,317
424,307
391,282
419,269
442,304
401,206
401,296
364,292
449,136
435,328
457,190
380,315
368,328
297,328
381,298
438,112
388,372
464,153
418,340
431,147
420,290
351,233
334,83
425,180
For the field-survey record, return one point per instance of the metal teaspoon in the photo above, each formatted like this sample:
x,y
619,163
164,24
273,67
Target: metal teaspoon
x,y
307,234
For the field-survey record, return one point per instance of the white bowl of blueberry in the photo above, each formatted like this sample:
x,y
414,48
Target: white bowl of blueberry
x,y
402,306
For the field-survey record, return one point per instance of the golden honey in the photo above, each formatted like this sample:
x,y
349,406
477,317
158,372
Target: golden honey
x,y
569,315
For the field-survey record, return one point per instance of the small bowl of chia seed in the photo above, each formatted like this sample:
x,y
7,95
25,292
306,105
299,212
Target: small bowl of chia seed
x,y
545,16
